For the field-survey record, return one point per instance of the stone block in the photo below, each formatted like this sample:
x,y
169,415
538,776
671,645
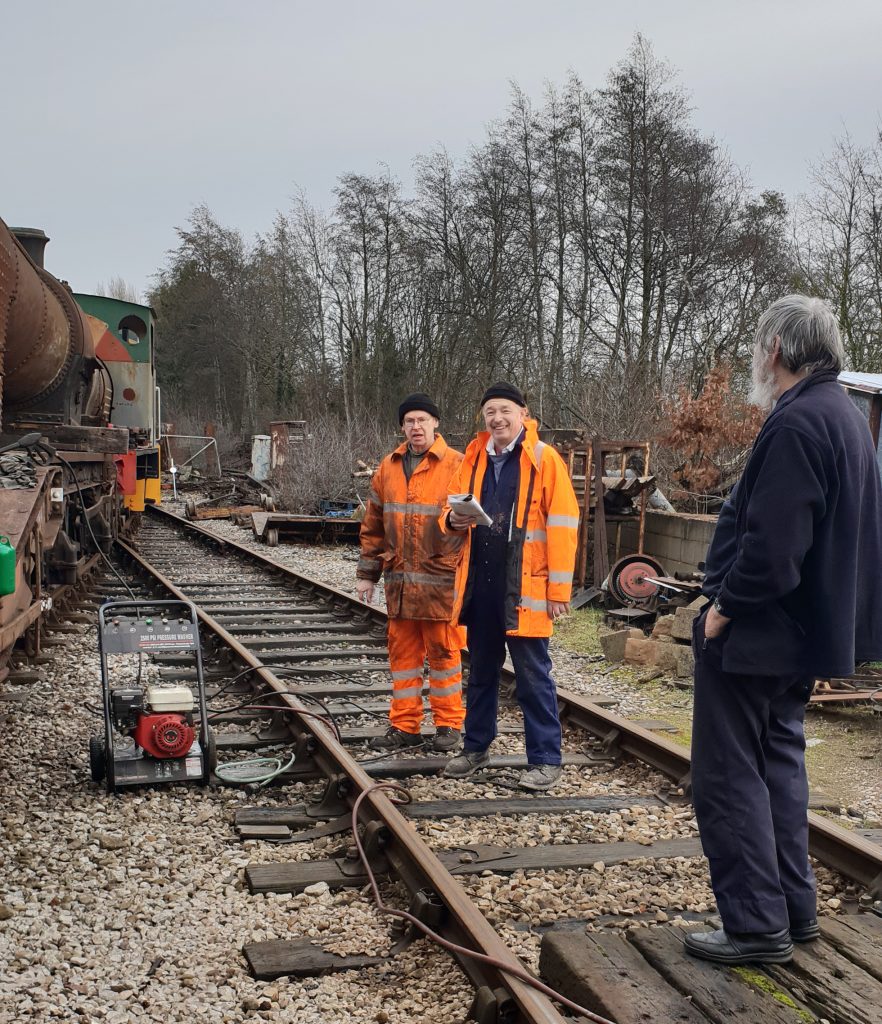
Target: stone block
x,y
613,644
685,666
651,653
681,628
662,627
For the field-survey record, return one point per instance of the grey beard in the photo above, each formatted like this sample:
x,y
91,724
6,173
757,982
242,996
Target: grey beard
x,y
762,391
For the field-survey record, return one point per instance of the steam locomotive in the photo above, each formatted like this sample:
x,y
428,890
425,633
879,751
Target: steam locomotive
x,y
79,432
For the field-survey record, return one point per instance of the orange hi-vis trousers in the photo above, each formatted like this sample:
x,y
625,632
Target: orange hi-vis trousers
x,y
411,641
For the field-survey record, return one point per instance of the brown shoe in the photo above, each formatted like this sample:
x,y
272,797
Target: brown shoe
x,y
446,739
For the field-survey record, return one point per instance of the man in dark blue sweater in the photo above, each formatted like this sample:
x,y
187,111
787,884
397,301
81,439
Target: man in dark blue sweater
x,y
792,574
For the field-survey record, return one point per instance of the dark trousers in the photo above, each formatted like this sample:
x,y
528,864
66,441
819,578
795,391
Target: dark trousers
x,y
750,791
534,688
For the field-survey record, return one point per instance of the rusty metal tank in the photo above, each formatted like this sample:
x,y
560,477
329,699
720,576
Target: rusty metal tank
x,y
47,348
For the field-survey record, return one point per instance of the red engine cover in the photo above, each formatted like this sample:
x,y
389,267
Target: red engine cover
x,y
164,735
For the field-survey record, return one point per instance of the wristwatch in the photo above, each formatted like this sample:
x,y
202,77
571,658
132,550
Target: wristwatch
x,y
719,608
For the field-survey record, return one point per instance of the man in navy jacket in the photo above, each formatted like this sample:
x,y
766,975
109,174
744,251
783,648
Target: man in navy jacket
x,y
792,573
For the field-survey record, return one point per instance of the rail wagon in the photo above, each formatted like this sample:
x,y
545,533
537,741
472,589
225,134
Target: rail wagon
x,y
79,432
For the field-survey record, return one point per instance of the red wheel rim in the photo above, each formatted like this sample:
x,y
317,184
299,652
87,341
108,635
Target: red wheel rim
x,y
632,582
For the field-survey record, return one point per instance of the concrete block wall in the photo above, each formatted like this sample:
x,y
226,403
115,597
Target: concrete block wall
x,y
677,540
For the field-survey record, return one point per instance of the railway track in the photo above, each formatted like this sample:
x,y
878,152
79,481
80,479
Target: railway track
x,y
314,660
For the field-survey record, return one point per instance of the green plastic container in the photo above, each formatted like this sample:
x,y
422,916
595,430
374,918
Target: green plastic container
x,y
7,567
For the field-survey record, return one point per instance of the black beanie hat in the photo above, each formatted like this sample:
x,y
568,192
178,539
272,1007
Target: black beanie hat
x,y
502,389
418,400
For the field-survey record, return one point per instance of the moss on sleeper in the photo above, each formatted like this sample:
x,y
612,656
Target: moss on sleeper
x,y
761,981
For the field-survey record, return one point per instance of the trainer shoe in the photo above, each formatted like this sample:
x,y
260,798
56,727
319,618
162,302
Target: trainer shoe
x,y
395,739
722,947
466,764
805,931
539,776
446,739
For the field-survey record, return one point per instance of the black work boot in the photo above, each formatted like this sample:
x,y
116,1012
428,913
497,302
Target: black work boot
x,y
805,931
395,739
734,948
446,739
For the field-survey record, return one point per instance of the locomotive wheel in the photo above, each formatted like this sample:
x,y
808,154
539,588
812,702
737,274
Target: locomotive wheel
x,y
97,758
272,536
629,580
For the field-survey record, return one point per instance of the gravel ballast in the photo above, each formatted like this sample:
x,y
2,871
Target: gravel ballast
x,y
133,907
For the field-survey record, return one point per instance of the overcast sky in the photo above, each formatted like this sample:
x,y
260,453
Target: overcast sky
x,y
118,118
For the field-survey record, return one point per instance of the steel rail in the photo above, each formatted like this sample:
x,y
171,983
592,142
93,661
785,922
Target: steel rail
x,y
413,861
853,856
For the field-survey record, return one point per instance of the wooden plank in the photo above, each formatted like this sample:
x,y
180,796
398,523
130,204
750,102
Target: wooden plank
x,y
655,725
423,809
404,767
859,938
722,994
294,877
830,985
606,974
370,654
111,440
299,958
249,740
264,831
843,696
272,642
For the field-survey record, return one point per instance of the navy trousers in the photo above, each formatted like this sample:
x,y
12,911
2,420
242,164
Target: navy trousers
x,y
750,791
534,687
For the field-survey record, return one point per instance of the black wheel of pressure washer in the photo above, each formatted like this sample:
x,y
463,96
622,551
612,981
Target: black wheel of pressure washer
x,y
97,758
210,758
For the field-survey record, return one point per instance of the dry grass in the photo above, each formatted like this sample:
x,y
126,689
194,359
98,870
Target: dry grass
x,y
580,631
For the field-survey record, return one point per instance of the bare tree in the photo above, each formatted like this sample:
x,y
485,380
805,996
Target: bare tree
x,y
119,288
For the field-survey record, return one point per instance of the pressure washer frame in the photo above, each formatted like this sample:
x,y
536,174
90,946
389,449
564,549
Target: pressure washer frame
x,y
128,627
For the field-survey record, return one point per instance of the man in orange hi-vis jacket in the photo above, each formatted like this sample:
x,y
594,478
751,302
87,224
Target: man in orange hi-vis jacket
x,y
401,538
514,580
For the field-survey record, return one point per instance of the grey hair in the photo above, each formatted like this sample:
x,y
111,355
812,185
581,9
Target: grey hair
x,y
809,333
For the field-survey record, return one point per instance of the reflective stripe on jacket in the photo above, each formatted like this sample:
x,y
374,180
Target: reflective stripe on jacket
x,y
542,538
401,539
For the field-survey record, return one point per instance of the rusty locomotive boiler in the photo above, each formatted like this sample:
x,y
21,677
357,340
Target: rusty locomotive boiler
x,y
79,432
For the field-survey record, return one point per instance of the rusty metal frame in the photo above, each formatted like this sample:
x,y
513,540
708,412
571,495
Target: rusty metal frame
x,y
595,453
